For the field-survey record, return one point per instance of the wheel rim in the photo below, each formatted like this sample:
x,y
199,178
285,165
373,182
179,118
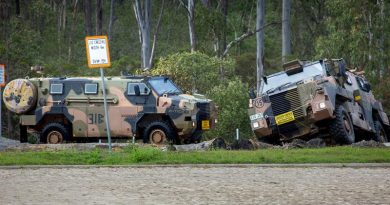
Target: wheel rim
x,y
157,136
54,137
347,125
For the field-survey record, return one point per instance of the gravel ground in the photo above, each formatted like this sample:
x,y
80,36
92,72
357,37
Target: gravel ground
x,y
195,185
7,143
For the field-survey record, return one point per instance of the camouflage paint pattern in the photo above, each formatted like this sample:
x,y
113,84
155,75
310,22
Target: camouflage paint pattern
x,y
129,113
312,101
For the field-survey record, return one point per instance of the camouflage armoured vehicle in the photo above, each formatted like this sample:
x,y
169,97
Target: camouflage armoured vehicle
x,y
151,108
321,97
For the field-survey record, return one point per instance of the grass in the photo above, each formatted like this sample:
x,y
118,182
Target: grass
x,y
137,155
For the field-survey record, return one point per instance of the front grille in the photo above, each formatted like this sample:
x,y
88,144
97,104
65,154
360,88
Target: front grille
x,y
203,113
285,102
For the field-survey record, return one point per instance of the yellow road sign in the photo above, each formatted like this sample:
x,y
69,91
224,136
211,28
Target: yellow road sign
x,y
98,51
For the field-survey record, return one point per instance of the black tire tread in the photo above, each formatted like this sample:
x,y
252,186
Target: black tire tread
x,y
165,126
336,127
54,126
378,126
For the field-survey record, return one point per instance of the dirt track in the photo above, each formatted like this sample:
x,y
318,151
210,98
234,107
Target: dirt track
x,y
195,185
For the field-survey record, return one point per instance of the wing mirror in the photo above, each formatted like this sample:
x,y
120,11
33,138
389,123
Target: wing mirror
x,y
252,94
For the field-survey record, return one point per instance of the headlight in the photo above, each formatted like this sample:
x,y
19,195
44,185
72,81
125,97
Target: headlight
x,y
216,121
255,125
322,105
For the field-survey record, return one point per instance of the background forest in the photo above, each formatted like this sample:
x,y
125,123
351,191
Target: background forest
x,y
208,46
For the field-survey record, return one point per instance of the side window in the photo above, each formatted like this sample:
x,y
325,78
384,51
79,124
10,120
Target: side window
x,y
90,88
363,85
56,88
144,90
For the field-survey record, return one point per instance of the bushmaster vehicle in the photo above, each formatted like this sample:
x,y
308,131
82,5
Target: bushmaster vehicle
x,y
151,108
321,97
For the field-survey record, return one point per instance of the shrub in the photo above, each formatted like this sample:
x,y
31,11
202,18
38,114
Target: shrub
x,y
232,100
194,71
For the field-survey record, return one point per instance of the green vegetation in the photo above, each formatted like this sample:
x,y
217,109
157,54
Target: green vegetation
x,y
51,33
232,100
136,155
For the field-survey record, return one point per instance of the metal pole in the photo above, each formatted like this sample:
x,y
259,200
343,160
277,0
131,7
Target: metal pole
x,y
1,119
105,109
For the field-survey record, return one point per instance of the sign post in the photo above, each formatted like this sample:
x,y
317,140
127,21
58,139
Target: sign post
x,y
98,55
2,84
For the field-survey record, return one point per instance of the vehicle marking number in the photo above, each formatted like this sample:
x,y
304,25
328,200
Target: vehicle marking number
x,y
258,102
256,116
95,118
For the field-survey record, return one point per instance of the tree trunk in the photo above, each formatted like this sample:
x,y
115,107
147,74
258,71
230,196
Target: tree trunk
x,y
224,9
70,46
63,15
17,7
382,64
260,43
99,17
191,24
286,32
156,32
4,11
142,13
88,17
111,23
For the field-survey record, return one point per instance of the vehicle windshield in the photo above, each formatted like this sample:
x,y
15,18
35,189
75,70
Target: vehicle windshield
x,y
282,78
164,85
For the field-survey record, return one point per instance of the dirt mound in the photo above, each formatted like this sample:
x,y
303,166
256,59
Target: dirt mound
x,y
242,144
316,143
370,143
298,143
219,143
261,145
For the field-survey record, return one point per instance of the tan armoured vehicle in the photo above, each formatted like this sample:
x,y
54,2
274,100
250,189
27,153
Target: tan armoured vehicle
x,y
321,97
66,109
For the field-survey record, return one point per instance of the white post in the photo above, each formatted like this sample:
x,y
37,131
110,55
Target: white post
x,y
105,110
237,134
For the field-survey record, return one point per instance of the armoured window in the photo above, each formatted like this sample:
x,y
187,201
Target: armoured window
x,y
56,88
90,88
144,90
364,85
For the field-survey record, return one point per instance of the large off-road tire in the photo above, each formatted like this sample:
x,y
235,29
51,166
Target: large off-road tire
x,y
341,128
380,135
54,133
159,133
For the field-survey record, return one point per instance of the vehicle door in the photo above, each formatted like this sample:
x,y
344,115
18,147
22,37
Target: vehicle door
x,y
364,102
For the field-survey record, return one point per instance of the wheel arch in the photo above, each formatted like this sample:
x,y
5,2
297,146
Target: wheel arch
x,y
49,118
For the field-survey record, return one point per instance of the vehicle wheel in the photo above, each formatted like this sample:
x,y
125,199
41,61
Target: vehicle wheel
x,y
380,135
341,128
158,133
54,133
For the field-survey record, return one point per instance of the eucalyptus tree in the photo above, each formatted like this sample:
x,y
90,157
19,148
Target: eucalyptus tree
x,y
260,18
286,32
